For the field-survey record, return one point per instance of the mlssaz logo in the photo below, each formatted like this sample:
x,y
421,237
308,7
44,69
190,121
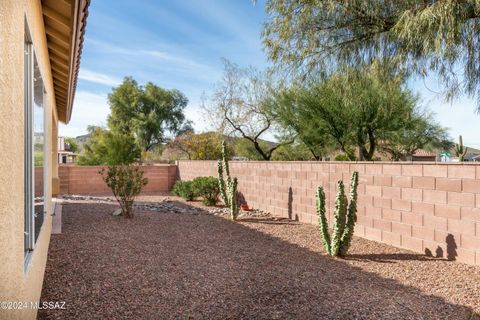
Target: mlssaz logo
x,y
50,305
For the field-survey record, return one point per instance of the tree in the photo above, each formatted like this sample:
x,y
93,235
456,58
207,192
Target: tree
x,y
93,149
293,152
244,149
104,147
239,107
355,109
202,146
416,36
311,133
154,153
379,106
149,113
326,106
72,144
419,131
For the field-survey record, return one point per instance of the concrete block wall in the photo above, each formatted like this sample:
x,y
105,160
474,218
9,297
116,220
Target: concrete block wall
x,y
424,207
87,180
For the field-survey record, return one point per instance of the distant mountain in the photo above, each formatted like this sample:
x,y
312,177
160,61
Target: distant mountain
x,y
82,139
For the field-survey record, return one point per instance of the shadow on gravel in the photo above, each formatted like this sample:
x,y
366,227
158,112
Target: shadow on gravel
x,y
387,258
164,266
269,220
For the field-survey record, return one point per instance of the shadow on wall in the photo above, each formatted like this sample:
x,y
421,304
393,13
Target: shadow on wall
x,y
241,198
451,249
451,245
290,205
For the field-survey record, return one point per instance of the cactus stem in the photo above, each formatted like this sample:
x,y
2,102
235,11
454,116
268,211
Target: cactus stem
x,y
345,217
228,187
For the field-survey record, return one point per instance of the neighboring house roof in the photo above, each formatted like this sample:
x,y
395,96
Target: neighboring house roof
x,y
65,23
471,156
424,153
63,152
83,137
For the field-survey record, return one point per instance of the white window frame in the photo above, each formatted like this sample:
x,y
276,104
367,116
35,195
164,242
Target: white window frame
x,y
29,164
29,241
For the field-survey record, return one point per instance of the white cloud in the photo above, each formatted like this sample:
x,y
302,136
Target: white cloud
x,y
226,16
170,57
96,77
88,109
182,61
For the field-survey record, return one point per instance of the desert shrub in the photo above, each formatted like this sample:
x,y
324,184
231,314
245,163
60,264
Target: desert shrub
x,y
342,157
208,189
126,183
184,189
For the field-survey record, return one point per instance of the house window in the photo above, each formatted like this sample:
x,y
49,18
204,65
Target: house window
x,y
35,156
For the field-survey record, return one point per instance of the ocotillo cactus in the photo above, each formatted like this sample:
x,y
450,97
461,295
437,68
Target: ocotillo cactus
x,y
460,150
228,188
344,218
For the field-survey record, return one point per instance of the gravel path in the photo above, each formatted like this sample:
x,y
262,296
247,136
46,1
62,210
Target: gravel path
x,y
169,266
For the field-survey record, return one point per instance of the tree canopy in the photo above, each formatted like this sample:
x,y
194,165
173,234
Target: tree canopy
x,y
419,131
353,110
315,37
300,124
71,144
150,113
201,146
104,147
240,107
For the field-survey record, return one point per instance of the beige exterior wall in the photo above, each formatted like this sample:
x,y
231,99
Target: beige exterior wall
x,y
16,283
54,162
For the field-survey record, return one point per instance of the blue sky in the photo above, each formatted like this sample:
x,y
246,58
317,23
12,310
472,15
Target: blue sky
x,y
179,44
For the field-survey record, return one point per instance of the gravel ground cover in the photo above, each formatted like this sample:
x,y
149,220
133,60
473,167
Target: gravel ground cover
x,y
164,265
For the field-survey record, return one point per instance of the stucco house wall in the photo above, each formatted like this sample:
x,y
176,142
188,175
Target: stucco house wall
x,y
17,283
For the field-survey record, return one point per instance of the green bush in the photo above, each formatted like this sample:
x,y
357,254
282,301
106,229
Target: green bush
x,y
342,157
208,189
126,183
184,189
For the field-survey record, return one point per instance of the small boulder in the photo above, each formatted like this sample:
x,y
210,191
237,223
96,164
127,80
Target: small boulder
x,y
117,212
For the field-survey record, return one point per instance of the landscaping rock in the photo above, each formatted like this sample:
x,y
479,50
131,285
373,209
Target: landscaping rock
x,y
164,205
117,212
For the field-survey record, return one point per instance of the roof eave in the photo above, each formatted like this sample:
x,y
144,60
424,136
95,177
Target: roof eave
x,y
78,33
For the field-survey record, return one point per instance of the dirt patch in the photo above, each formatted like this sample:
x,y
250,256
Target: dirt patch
x,y
162,265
